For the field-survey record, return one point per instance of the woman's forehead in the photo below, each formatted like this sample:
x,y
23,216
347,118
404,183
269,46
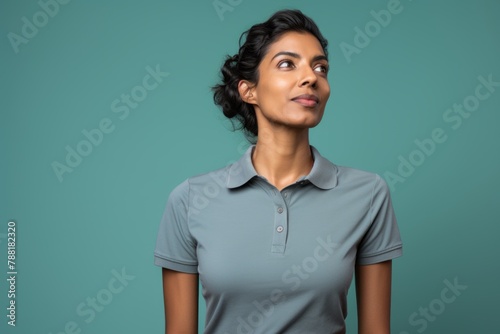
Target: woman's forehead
x,y
302,43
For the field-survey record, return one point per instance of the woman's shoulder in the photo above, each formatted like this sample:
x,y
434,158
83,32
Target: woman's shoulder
x,y
357,177
345,173
354,172
211,179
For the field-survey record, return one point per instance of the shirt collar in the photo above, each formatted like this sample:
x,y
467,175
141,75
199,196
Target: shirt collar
x,y
323,173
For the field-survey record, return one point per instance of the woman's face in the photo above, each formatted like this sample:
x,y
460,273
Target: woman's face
x,y
293,88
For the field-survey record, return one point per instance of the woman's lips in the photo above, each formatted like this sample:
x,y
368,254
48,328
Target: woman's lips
x,y
306,100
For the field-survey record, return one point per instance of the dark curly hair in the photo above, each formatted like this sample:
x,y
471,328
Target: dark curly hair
x,y
244,65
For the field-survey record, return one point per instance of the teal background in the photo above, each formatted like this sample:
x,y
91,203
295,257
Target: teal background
x,y
104,215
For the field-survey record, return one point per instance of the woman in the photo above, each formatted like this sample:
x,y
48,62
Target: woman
x,y
276,237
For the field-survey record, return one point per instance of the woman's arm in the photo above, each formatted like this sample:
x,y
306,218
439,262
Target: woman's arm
x,y
180,295
373,293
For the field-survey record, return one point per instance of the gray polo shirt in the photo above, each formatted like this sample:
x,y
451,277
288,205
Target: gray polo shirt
x,y
275,261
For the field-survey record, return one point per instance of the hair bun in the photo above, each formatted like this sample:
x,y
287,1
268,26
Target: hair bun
x,y
226,94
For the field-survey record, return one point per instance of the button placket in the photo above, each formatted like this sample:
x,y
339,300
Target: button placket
x,y
280,224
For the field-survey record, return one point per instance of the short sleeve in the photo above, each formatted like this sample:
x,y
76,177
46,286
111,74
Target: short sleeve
x,y
382,241
175,246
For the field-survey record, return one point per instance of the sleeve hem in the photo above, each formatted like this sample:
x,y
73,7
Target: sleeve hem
x,y
177,266
385,255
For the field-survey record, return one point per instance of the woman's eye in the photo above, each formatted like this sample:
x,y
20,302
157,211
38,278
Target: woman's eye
x,y
285,64
322,68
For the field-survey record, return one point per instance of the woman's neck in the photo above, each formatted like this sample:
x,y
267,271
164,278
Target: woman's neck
x,y
282,157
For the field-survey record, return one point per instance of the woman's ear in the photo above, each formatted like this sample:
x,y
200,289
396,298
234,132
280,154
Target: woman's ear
x,y
247,91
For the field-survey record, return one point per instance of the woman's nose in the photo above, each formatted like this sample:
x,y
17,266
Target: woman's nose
x,y
308,77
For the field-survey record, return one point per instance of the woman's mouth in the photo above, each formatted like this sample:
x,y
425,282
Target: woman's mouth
x,y
306,100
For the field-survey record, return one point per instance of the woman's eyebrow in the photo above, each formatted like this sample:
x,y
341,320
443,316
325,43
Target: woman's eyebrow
x,y
297,56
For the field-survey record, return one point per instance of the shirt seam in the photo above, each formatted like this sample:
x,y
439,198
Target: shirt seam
x,y
371,199
385,250
163,257
188,213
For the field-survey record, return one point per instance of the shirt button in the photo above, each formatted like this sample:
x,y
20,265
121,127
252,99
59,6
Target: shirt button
x,y
280,209
279,229
285,194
